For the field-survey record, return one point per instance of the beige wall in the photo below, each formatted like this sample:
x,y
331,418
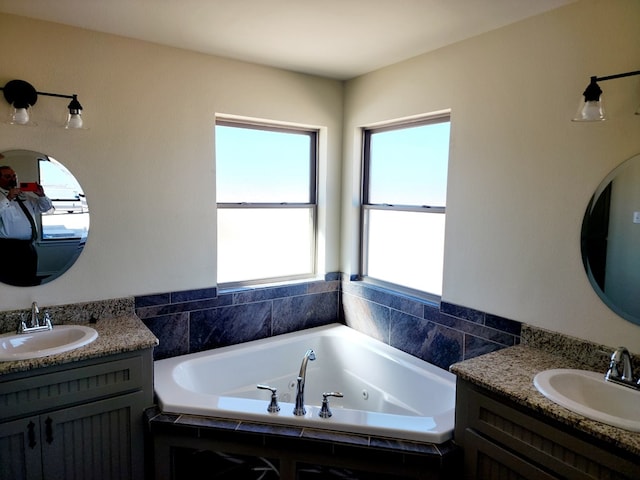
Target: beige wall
x,y
146,162
520,172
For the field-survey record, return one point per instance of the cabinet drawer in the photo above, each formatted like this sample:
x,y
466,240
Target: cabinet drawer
x,y
44,391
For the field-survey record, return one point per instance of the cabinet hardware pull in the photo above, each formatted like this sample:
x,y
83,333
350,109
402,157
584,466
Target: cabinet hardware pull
x,y
49,430
31,435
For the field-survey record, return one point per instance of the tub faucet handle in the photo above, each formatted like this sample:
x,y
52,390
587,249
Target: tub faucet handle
x,y
325,412
273,405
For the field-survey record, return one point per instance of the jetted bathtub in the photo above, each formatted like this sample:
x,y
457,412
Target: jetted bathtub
x,y
387,392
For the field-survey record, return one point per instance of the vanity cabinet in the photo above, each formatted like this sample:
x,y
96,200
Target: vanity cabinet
x,y
82,420
502,440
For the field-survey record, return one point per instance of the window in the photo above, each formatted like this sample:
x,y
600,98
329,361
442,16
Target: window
x,y
404,202
70,217
266,198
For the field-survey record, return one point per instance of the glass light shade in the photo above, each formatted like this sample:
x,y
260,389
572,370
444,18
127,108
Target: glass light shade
x,y
590,111
74,119
21,116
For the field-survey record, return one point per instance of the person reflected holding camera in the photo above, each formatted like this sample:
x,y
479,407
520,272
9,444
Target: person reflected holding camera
x,y
19,210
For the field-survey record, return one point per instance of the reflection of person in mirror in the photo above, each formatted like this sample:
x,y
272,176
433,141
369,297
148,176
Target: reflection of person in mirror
x,y
19,211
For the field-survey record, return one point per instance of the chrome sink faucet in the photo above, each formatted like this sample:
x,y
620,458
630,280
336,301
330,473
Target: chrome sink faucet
x,y
35,311
620,370
34,324
299,408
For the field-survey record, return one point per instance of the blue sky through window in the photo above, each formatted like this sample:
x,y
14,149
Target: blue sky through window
x,y
262,166
408,166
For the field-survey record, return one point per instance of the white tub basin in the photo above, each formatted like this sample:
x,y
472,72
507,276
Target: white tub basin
x,y
588,394
386,392
63,338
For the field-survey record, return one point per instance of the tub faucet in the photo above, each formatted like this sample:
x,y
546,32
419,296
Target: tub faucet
x,y
299,408
620,370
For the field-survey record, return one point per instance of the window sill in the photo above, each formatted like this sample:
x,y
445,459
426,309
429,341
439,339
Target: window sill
x,y
259,284
396,289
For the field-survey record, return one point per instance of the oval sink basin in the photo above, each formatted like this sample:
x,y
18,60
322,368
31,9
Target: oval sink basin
x,y
63,338
588,394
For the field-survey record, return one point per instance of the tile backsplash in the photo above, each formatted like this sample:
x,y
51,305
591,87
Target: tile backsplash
x,y
196,320
441,335
594,355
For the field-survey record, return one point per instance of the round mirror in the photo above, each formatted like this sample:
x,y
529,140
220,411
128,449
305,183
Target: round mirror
x,y
611,240
44,218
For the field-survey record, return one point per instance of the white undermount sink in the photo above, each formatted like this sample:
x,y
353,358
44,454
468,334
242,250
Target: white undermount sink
x,y
588,394
62,338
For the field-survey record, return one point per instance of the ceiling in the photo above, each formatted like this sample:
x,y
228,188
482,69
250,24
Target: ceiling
x,y
338,39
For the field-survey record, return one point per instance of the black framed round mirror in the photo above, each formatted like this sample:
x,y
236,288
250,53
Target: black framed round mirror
x,y
44,218
611,240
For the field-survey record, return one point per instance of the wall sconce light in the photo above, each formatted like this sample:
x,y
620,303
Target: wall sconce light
x,y
22,96
590,109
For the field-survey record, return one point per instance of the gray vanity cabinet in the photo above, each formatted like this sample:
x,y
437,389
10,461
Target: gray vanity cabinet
x,y
83,420
504,441
19,449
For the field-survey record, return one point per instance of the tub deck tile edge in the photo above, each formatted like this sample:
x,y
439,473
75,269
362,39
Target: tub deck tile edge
x,y
336,437
269,429
159,420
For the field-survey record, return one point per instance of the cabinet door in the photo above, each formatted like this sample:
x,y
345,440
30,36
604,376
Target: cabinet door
x,y
487,461
98,441
20,449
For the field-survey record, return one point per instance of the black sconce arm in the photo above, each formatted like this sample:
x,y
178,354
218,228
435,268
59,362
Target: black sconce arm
x,y
23,95
617,75
592,92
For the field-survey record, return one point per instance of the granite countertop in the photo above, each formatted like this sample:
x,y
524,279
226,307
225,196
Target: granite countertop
x,y
120,334
509,372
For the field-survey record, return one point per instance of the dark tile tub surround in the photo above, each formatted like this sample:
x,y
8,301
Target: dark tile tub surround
x,y
441,335
196,320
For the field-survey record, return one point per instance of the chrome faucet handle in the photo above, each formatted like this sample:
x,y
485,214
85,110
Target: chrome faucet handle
x,y
47,320
22,324
273,405
325,412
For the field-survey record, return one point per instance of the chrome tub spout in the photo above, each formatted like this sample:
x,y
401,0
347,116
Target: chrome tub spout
x,y
299,408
